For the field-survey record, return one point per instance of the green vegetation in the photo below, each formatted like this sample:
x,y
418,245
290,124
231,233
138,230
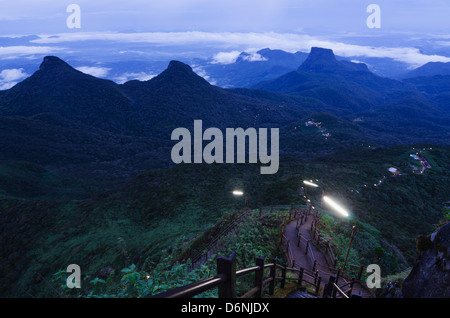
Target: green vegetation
x,y
368,246
191,203
72,142
256,235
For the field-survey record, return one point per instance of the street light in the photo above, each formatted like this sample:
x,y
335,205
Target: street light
x,y
241,193
343,212
311,184
314,185
335,206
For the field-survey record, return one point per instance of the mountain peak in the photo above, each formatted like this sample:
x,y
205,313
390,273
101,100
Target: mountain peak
x,y
178,66
53,62
318,53
323,60
179,74
320,59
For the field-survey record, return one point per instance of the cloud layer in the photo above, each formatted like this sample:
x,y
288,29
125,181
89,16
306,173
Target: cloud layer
x,y
142,76
23,50
290,42
10,77
94,70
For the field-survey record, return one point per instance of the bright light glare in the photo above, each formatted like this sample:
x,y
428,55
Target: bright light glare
x,y
335,206
310,184
237,192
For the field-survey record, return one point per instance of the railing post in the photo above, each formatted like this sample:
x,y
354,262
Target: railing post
x,y
316,276
299,239
318,285
338,275
307,245
334,291
329,287
259,276
349,294
273,275
283,275
227,267
300,277
314,265
360,272
281,233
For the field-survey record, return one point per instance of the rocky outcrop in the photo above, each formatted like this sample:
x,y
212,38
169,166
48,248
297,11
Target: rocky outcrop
x,y
430,276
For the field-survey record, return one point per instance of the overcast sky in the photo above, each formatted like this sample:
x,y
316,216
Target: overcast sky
x,y
49,16
412,31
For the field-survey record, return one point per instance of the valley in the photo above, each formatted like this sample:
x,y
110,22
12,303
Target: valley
x,y
87,176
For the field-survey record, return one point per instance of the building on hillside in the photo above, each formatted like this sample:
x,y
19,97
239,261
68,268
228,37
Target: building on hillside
x,y
394,171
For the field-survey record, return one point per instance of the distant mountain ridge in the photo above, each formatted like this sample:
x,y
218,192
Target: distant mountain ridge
x,y
386,108
65,119
343,85
429,69
247,71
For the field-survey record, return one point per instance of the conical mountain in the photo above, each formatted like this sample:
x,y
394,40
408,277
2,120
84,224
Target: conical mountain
x,y
177,78
57,89
180,74
53,64
180,94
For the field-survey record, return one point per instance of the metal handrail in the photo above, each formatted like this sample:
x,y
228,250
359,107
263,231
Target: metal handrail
x,y
311,253
305,271
246,271
340,292
290,254
194,288
225,280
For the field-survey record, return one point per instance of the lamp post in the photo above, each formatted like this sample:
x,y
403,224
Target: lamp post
x,y
313,185
349,245
335,206
241,193
310,184
344,213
